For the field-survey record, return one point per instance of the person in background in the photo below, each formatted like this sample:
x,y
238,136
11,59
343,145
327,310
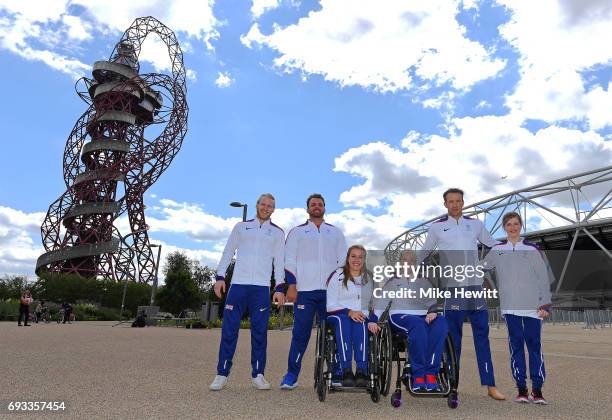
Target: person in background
x,y
24,308
41,308
67,312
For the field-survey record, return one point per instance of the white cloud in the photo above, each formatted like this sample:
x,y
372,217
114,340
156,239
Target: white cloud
x,y
192,75
14,37
18,249
194,18
224,80
557,40
486,156
260,7
361,43
204,257
26,25
77,29
191,219
35,11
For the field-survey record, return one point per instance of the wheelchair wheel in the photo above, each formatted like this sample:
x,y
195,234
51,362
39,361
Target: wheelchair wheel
x,y
453,400
385,357
451,368
323,359
374,366
450,372
319,356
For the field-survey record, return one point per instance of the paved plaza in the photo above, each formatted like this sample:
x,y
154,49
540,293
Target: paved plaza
x,y
162,372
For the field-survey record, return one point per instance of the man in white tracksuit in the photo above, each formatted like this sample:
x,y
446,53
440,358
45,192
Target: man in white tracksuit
x,y
312,251
259,245
456,237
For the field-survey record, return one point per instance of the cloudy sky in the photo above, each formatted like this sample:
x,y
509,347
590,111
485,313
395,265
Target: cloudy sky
x,y
379,105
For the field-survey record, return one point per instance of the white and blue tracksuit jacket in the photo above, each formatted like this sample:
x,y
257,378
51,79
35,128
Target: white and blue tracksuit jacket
x,y
522,275
457,243
258,247
312,253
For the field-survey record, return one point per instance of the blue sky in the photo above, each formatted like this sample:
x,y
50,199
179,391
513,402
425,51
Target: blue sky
x,y
380,106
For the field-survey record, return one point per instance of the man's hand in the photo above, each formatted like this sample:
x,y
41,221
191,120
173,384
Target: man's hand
x,y
357,316
373,327
430,317
291,293
543,314
278,298
219,288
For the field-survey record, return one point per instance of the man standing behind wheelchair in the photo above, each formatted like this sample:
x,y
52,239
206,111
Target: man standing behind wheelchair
x,y
417,319
348,295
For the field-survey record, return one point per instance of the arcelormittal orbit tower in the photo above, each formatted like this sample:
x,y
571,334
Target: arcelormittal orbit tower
x,y
111,159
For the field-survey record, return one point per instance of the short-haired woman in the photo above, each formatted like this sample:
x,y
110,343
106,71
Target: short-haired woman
x,y
523,280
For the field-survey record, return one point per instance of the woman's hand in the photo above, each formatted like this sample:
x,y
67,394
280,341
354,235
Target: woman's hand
x,y
357,316
278,298
430,317
542,313
373,327
291,293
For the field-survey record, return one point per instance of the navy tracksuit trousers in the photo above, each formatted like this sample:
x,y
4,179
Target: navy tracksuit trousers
x,y
308,304
525,330
241,297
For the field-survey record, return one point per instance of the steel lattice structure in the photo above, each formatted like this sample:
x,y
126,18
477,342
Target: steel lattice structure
x,y
588,194
106,148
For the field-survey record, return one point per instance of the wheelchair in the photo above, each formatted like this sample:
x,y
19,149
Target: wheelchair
x,y
448,376
379,363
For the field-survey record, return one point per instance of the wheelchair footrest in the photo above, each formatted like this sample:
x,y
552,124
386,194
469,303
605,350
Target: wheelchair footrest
x,y
348,389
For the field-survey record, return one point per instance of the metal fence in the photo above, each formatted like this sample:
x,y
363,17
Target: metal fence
x,y
597,318
589,318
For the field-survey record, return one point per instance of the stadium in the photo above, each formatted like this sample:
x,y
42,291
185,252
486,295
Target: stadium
x,y
569,218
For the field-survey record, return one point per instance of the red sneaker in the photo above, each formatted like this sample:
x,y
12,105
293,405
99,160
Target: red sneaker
x,y
537,397
431,383
523,396
418,384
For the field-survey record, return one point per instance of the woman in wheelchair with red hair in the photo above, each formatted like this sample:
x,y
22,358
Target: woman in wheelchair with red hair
x,y
417,319
348,295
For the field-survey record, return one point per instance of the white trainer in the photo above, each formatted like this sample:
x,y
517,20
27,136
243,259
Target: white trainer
x,y
219,383
260,382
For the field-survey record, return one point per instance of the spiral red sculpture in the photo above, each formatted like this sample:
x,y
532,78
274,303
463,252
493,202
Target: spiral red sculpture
x,y
108,149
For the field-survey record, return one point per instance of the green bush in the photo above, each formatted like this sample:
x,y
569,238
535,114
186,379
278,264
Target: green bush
x,y
9,309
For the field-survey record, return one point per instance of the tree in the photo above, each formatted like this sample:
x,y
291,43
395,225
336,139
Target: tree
x,y
11,287
180,291
177,261
204,278
68,287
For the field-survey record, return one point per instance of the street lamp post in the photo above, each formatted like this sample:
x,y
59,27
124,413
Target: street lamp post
x,y
154,288
127,279
244,209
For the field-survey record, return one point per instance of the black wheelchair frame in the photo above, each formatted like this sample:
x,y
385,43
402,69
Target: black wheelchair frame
x,y
448,376
379,363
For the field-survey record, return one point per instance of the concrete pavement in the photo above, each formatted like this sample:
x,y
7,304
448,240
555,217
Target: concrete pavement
x,y
161,372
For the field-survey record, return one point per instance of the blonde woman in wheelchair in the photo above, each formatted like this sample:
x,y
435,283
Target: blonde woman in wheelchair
x,y
417,319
